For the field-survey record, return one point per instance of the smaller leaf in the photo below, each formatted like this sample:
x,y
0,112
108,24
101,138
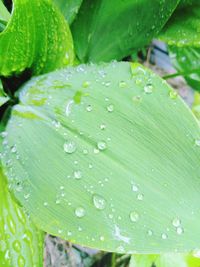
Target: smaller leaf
x,y
69,8
183,27
196,105
4,14
3,97
165,260
186,60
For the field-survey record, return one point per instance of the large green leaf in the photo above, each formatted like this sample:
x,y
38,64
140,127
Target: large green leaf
x,y
165,260
69,8
106,30
183,28
109,157
186,60
37,37
21,244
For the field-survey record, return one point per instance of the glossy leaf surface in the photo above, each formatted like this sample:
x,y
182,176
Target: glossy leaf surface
x,y
106,30
37,37
107,155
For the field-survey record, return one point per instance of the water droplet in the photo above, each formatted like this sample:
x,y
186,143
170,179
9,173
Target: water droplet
x,y
21,261
70,147
148,89
101,145
80,212
140,196
110,108
89,108
164,236
122,84
173,94
13,149
134,216
45,204
197,142
179,230
134,188
176,222
77,174
99,202
196,253
150,232
17,246
102,238
102,126
86,84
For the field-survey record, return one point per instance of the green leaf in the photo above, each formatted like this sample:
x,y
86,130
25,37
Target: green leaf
x,y
3,97
106,30
69,8
109,156
186,60
4,14
37,37
21,244
165,260
183,27
196,105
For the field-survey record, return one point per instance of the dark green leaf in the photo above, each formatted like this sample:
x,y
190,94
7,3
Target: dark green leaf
x,y
106,30
37,37
69,8
109,156
183,28
186,60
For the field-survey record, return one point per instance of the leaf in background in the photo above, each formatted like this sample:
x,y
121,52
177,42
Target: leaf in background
x,y
196,105
107,158
37,37
69,8
106,30
186,60
4,14
21,244
183,28
165,260
3,97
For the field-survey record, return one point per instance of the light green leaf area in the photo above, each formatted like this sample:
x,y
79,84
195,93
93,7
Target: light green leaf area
x,y
21,244
107,155
37,37
183,28
106,30
165,260
4,14
69,8
3,97
196,105
186,60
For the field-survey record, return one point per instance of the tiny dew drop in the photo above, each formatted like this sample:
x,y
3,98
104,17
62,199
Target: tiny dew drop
x,y
176,222
89,108
69,147
173,94
101,145
122,84
148,89
197,142
77,174
179,230
110,108
150,232
134,216
196,253
21,261
140,196
164,236
80,212
99,202
86,84
14,149
102,126
134,188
